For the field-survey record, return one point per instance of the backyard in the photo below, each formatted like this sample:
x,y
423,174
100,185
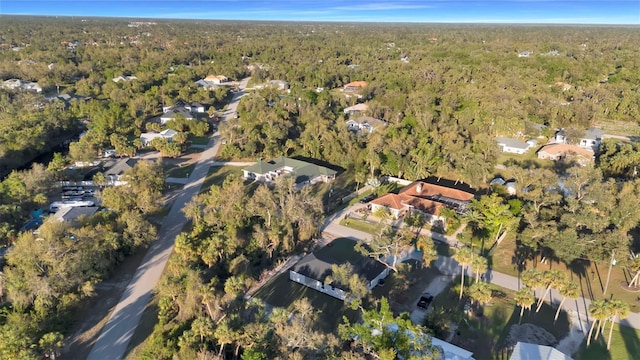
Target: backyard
x,y
217,174
487,335
591,276
625,345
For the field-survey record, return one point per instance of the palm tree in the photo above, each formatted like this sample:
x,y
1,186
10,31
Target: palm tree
x,y
635,266
598,310
479,265
480,293
619,309
464,256
568,289
551,279
525,299
429,253
532,278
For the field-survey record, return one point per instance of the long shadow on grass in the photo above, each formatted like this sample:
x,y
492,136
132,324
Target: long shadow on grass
x,y
630,338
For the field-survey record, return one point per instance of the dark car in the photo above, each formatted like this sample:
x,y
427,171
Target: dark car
x,y
424,301
366,199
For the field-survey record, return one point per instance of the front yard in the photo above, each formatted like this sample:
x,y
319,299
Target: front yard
x,y
625,345
487,335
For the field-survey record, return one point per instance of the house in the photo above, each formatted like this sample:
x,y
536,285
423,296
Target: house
x,y
449,351
591,139
356,109
279,84
527,351
556,152
147,138
67,98
365,124
525,53
216,79
173,112
400,204
194,107
207,85
454,194
314,269
116,171
510,145
304,172
21,85
354,86
73,213
124,78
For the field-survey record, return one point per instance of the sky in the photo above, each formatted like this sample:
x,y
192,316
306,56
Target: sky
x,y
420,11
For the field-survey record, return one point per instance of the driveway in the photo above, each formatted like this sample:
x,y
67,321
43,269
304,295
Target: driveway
x,y
117,332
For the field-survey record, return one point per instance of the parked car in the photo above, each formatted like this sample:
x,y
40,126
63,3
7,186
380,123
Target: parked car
x,y
425,300
366,199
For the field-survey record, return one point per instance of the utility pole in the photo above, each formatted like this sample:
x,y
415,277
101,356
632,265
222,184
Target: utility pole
x,y
611,263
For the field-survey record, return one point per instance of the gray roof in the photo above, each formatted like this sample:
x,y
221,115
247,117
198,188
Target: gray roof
x,y
512,143
68,214
177,111
120,167
369,120
526,351
593,134
317,265
302,170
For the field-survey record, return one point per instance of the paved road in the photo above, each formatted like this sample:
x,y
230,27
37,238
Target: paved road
x,y
116,333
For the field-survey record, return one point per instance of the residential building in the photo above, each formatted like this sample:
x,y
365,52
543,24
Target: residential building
x,y
72,214
559,151
194,107
304,172
591,139
356,109
175,111
365,124
514,146
21,85
354,86
314,269
124,78
207,85
216,79
449,351
279,84
116,171
527,351
147,138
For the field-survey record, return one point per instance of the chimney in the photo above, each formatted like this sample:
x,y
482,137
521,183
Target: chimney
x,y
419,188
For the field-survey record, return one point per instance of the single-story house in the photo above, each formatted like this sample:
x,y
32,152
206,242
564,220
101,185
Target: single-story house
x,y
510,145
304,172
354,86
173,112
556,152
527,351
21,85
279,84
591,139
194,107
356,109
72,214
314,269
400,204
216,79
124,78
117,170
167,134
454,194
365,124
207,85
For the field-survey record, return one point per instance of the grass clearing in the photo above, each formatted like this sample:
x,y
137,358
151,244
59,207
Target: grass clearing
x,y
177,171
619,127
359,225
591,276
199,140
486,335
625,345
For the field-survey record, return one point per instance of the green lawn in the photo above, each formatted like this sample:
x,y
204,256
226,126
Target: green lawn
x,y
199,140
217,174
360,225
625,344
486,335
177,171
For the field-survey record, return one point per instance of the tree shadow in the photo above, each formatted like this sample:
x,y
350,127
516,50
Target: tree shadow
x,y
630,337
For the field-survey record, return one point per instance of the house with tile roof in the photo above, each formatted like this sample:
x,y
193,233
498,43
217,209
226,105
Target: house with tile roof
x,y
354,86
557,152
314,269
304,173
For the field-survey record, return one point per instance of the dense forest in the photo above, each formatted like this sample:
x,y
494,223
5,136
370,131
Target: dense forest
x,y
445,93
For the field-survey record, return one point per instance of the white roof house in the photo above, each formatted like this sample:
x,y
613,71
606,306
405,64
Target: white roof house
x,y
17,84
124,78
526,351
510,145
365,124
356,109
147,138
